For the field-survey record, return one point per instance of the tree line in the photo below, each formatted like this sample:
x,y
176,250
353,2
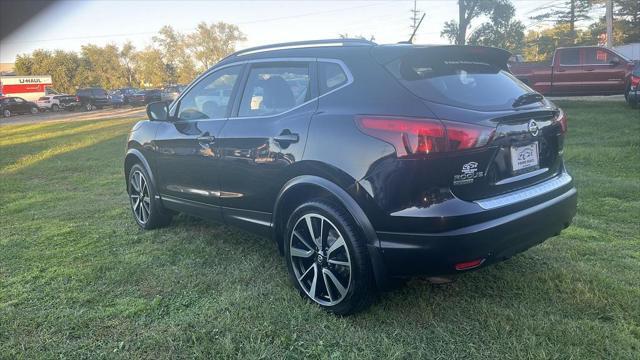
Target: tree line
x,y
173,58
501,29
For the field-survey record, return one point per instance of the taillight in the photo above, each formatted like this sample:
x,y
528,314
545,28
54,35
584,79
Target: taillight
x,y
424,136
562,119
635,81
78,98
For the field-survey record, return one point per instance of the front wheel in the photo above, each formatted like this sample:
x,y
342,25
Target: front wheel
x,y
146,209
34,110
327,258
6,113
55,108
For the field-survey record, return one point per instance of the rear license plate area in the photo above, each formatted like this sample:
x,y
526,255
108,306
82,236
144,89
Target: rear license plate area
x,y
525,158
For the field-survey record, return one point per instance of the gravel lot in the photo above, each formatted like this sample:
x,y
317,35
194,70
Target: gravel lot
x,y
74,116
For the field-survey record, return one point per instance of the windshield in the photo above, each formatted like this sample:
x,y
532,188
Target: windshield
x,y
467,84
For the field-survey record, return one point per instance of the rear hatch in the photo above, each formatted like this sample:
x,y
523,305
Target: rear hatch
x,y
472,85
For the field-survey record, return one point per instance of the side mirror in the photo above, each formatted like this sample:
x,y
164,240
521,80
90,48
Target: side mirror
x,y
158,111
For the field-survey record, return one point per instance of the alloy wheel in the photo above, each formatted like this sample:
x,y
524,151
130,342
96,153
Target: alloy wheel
x,y
6,113
139,196
320,259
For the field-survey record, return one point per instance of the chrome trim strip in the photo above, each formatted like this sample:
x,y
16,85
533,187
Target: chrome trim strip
x,y
524,194
254,221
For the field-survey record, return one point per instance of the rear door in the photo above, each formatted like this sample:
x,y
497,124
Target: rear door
x,y
601,73
567,76
187,150
100,97
264,138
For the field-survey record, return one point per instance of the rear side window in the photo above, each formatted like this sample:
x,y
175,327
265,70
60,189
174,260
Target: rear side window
x,y
466,84
331,76
272,89
44,98
99,92
570,56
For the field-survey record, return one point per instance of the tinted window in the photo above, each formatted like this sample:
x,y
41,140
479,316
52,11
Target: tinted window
x,y
18,100
210,98
570,56
331,76
596,56
274,89
467,84
44,98
99,92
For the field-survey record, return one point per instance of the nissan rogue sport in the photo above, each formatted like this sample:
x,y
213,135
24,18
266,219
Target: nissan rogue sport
x,y
363,162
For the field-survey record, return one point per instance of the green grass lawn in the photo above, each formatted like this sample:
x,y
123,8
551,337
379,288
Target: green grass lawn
x,y
79,279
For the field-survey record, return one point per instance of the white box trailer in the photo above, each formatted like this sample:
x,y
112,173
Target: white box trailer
x,y
27,87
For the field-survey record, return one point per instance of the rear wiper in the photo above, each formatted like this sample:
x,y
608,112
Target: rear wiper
x,y
527,98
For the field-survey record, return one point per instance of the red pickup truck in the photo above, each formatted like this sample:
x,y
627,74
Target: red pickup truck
x,y
585,70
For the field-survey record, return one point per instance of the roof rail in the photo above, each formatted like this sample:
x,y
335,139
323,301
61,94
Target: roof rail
x,y
301,44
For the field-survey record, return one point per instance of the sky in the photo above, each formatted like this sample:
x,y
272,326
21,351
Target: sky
x,y
69,24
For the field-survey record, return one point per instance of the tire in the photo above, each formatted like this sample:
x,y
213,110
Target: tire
x,y
55,108
34,110
88,107
339,277
627,94
146,209
6,113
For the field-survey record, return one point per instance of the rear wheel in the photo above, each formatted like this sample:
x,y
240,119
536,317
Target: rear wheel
x,y
88,107
34,110
147,210
55,108
327,258
6,113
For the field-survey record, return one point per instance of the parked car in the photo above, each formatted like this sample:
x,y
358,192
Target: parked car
x,y
586,70
92,98
51,102
116,98
632,94
126,93
363,162
10,105
171,93
144,97
68,102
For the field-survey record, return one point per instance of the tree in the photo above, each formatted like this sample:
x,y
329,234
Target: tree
x,y
210,43
502,30
61,65
628,11
540,45
456,31
149,68
568,12
102,66
127,59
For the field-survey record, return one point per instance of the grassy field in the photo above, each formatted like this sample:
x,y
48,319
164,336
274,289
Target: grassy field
x,y
79,279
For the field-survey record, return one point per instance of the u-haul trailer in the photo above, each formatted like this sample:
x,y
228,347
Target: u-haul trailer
x,y
26,87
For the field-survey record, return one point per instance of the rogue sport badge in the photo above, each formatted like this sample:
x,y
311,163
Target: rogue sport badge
x,y
533,127
468,174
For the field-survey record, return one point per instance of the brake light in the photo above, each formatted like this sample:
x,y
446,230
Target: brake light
x,y
635,81
469,264
562,119
411,136
78,98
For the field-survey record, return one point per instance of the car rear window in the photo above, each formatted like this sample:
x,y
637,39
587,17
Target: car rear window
x,y
43,98
463,83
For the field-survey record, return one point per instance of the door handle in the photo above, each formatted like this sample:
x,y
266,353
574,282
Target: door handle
x,y
286,138
206,139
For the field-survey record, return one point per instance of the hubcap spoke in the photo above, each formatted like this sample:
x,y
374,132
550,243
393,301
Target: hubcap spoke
x,y
301,253
302,240
336,245
341,289
140,201
337,262
314,282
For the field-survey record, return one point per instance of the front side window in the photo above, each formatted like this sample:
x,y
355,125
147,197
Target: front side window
x,y
272,89
211,97
593,56
570,57
18,100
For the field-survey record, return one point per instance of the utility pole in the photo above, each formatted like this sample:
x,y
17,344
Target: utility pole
x,y
609,16
415,17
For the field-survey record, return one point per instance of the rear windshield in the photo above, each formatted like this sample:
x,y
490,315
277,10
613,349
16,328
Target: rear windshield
x,y
467,84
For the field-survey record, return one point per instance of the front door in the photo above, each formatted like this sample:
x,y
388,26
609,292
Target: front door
x,y
601,73
186,148
264,138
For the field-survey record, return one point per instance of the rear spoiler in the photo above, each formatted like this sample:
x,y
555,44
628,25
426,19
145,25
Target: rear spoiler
x,y
490,55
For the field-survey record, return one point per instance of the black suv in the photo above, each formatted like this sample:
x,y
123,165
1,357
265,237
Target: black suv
x,y
363,162
92,98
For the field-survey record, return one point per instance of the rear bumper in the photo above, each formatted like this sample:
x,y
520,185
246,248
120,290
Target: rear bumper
x,y
406,254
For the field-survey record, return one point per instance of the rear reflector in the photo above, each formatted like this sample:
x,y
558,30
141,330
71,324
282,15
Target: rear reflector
x,y
411,136
469,264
